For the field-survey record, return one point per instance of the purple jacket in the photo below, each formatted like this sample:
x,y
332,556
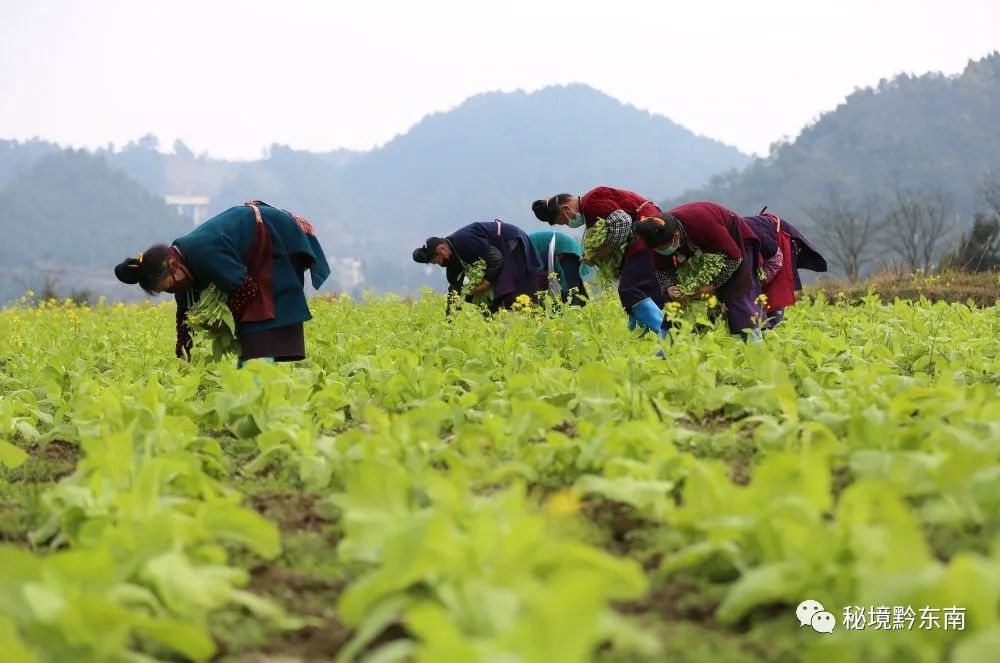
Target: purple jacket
x,y
805,256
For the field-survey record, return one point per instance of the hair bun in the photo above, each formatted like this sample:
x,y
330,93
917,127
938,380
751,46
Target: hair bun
x,y
541,210
655,230
420,255
127,271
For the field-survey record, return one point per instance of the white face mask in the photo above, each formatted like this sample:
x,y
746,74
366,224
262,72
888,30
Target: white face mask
x,y
576,221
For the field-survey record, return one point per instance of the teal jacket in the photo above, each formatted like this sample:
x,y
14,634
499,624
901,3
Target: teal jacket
x,y
564,244
215,252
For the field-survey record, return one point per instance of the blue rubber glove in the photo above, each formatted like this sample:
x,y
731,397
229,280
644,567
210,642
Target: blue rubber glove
x,y
649,315
267,360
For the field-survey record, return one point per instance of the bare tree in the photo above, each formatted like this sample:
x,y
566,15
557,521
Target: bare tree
x,y
916,225
989,189
15,276
43,278
50,285
848,231
978,249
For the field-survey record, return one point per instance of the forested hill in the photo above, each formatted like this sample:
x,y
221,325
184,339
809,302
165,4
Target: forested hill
x,y
71,217
924,133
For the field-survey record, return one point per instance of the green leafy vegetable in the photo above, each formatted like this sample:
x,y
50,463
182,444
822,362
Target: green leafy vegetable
x,y
594,239
212,324
474,275
517,487
699,270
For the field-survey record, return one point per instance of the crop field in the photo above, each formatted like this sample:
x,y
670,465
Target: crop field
x,y
535,487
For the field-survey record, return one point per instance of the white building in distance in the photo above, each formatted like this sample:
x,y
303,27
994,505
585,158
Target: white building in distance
x,y
193,207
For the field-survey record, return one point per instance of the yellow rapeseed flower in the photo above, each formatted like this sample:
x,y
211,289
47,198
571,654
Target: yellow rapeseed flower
x,y
562,504
761,299
522,303
712,301
673,307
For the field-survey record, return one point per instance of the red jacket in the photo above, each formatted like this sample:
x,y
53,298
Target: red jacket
x,y
716,229
602,201
713,228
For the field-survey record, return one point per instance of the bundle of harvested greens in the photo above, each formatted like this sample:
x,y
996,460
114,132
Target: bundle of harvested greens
x,y
699,270
474,275
211,323
607,270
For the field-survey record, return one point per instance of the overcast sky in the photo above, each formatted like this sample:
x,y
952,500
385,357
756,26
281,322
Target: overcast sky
x,y
232,77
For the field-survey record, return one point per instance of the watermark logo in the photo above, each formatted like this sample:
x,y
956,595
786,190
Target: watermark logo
x,y
881,618
903,617
811,613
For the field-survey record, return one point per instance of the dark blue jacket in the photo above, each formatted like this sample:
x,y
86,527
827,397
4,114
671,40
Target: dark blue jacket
x,y
521,270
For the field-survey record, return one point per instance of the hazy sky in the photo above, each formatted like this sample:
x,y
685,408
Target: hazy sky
x,y
232,77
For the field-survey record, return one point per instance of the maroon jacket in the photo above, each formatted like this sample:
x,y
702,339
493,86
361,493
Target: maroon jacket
x,y
713,228
716,229
602,201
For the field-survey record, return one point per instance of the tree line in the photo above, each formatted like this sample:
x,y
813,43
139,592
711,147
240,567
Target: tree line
x,y
910,228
